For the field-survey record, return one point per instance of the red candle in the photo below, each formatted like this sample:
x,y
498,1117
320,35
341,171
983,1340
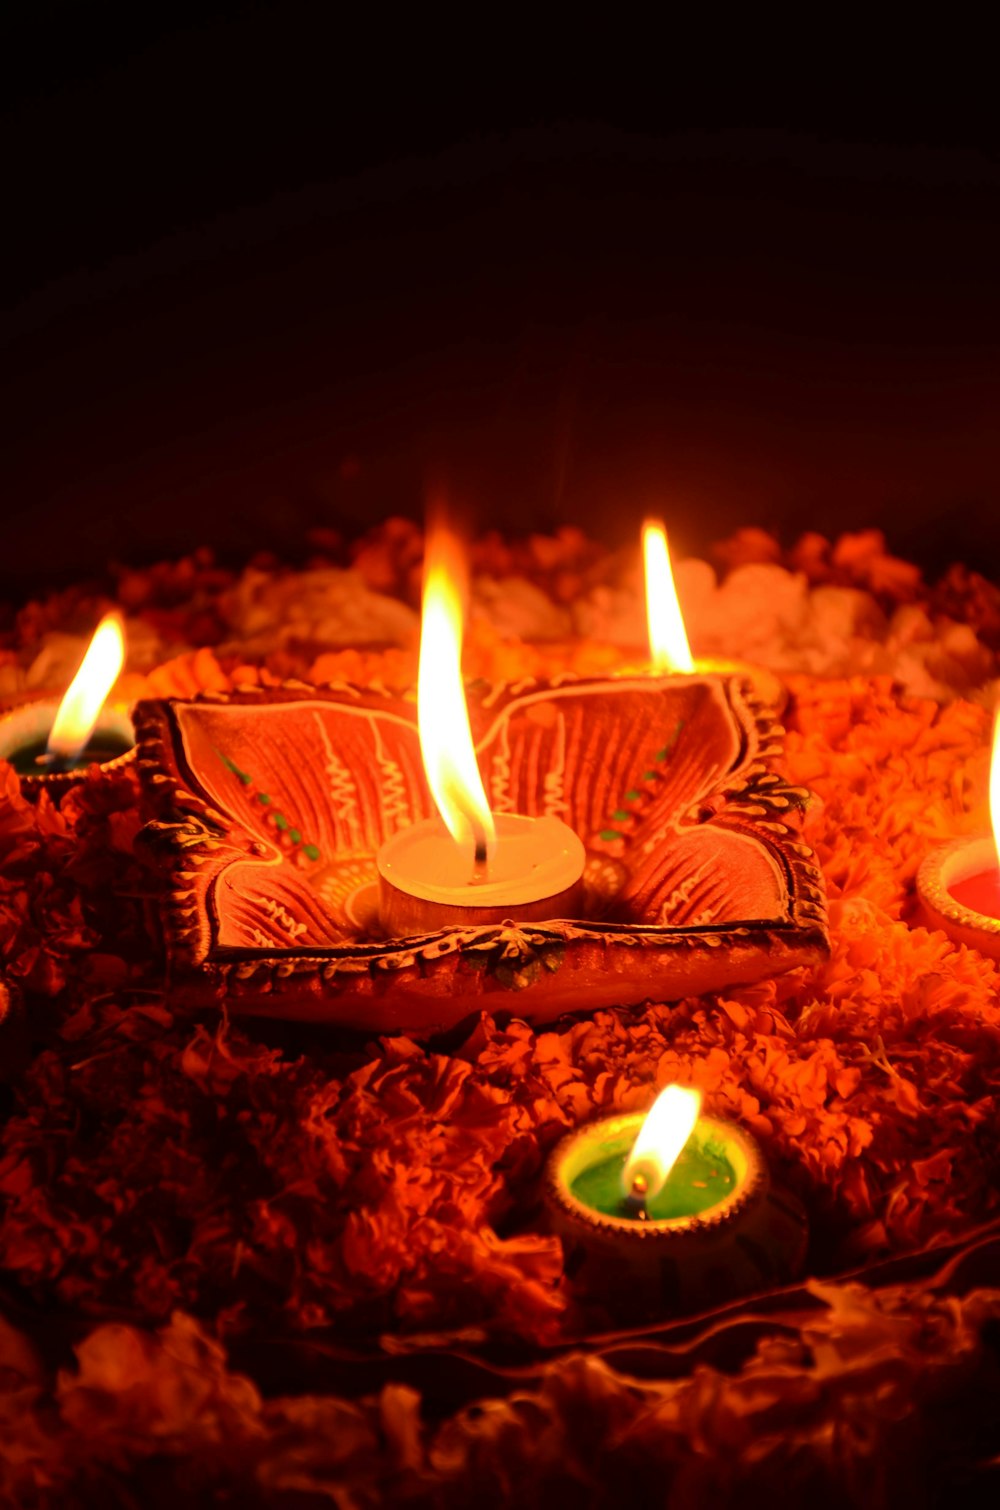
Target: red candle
x,y
979,893
959,886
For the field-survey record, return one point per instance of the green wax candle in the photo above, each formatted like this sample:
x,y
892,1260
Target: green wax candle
x,y
24,737
26,760
712,1232
700,1179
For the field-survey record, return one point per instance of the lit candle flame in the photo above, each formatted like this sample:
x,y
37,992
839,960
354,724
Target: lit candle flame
x,y
442,715
668,642
661,1140
81,707
995,784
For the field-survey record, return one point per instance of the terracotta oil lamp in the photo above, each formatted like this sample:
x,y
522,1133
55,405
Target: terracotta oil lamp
x,y
51,744
671,1210
959,885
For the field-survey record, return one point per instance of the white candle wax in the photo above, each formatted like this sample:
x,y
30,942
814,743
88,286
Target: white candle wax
x,y
427,880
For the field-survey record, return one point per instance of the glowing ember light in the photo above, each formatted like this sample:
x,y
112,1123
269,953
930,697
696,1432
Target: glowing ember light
x,y
668,642
81,707
661,1141
995,785
445,736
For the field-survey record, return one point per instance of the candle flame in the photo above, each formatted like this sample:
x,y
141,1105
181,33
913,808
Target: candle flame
x,y
442,715
84,699
995,784
668,642
661,1139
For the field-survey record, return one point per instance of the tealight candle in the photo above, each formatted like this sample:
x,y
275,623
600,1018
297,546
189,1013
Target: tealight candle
x,y
980,891
959,885
668,641
672,1211
466,867
52,743
427,880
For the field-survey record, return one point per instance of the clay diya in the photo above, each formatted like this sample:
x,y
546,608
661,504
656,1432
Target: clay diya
x,y
267,809
670,1211
544,848
52,743
668,642
959,885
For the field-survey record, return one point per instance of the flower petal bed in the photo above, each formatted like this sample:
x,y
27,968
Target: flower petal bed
x,y
173,1184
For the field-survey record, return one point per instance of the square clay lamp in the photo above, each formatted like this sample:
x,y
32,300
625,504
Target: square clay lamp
x,y
267,808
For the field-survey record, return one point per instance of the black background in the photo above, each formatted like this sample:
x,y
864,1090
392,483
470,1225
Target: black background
x,y
274,266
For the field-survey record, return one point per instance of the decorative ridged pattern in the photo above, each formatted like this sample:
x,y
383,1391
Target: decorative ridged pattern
x,y
671,759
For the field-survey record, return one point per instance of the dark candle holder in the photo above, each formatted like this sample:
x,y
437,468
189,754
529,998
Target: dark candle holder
x,y
753,1239
24,733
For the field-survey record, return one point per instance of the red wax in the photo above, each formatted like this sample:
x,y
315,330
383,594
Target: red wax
x,y
979,893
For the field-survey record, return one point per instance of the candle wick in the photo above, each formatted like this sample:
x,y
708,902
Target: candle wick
x,y
636,1198
51,762
480,858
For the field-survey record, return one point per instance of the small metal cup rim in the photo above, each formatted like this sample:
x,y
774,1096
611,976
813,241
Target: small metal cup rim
x,y
935,875
750,1190
117,713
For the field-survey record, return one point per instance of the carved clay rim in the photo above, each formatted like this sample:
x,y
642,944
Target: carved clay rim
x,y
60,781
942,867
194,829
750,1190
764,684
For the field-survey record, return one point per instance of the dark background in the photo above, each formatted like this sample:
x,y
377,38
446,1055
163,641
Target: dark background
x,y
276,266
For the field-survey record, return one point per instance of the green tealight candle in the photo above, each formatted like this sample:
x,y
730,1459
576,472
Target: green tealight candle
x,y
81,727
643,1245
29,759
708,1169
700,1179
24,739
